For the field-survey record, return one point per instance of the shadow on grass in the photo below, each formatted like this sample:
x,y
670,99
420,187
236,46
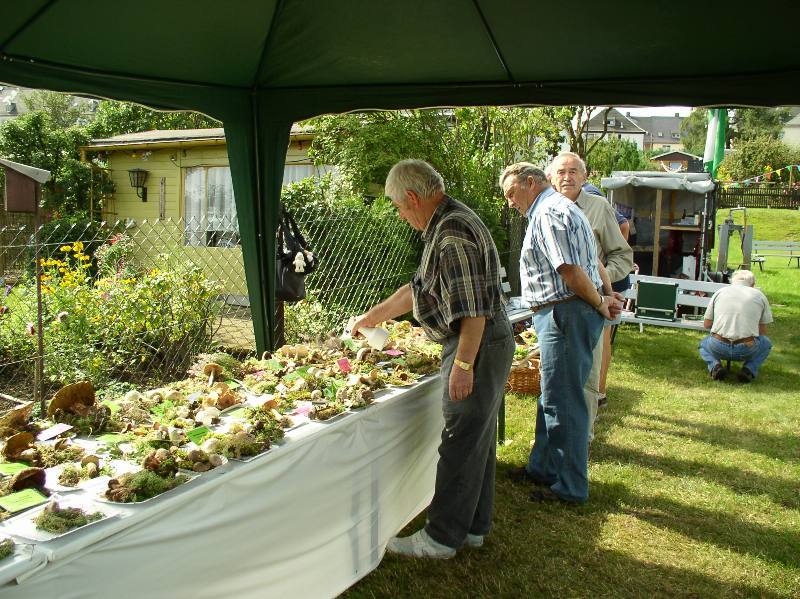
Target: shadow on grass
x,y
782,492
538,550
705,526
781,447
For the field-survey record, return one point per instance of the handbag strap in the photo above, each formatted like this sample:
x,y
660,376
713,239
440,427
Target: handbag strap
x,y
292,228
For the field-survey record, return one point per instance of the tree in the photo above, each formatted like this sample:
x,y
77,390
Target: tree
x,y
37,139
468,146
63,110
616,155
745,123
575,121
750,123
693,131
117,118
753,157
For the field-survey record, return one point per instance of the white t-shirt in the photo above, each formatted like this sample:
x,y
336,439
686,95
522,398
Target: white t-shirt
x,y
736,312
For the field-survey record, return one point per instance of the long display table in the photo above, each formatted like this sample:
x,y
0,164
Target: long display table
x,y
308,519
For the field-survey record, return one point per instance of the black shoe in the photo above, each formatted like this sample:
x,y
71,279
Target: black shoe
x,y
545,495
718,373
522,476
745,375
602,401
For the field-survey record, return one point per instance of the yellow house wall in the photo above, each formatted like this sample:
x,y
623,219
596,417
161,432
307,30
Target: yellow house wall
x,y
154,236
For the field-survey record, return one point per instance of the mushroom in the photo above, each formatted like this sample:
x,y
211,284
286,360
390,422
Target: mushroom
x,y
361,354
29,478
90,459
173,396
76,398
215,460
16,444
15,419
92,470
212,370
226,400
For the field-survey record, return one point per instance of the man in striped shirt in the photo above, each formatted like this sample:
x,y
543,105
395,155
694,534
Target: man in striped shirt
x,y
560,276
456,297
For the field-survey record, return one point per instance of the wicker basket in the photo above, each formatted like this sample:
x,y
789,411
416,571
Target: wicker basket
x,y
525,379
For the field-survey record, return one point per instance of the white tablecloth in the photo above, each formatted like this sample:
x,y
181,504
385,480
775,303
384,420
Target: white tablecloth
x,y
306,520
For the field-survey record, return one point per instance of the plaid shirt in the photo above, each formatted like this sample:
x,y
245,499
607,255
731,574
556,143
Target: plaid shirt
x,y
558,233
459,275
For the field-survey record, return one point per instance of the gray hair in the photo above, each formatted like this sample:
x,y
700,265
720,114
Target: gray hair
x,y
549,169
413,175
523,170
743,277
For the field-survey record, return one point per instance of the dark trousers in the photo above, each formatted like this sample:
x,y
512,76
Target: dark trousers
x,y
463,499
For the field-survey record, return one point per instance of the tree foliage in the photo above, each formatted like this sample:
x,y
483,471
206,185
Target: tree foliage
x,y
36,139
575,121
745,124
756,156
118,118
468,146
616,155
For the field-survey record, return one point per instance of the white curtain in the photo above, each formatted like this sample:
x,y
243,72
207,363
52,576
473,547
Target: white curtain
x,y
209,207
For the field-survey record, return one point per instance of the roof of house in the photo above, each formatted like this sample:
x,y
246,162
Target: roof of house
x,y
668,125
621,123
173,137
675,153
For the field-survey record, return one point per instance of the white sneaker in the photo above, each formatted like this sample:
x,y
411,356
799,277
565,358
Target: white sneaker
x,y
420,544
474,540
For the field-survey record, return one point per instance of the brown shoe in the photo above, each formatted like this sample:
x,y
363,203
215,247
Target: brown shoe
x,y
545,495
522,476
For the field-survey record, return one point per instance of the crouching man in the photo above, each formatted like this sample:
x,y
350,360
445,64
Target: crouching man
x,y
737,318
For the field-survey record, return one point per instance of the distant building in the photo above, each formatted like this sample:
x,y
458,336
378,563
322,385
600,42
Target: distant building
x,y
791,130
677,161
11,104
662,133
617,126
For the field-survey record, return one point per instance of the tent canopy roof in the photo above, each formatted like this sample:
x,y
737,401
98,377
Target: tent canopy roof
x,y
366,54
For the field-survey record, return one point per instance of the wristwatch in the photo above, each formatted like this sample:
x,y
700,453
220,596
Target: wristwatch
x,y
462,365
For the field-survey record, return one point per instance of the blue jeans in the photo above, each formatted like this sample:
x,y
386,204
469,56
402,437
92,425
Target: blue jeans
x,y
567,333
713,351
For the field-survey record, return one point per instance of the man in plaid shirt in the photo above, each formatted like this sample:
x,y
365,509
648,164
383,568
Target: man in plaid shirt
x,y
455,295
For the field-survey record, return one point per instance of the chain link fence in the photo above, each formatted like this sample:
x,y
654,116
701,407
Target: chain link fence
x,y
130,302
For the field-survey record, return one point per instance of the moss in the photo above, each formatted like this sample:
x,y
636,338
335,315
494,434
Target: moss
x,y
53,457
59,520
142,485
6,548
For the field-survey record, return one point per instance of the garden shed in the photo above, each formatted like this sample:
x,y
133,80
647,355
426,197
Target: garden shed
x,y
672,218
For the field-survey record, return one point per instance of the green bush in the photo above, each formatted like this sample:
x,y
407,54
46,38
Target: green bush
x,y
129,329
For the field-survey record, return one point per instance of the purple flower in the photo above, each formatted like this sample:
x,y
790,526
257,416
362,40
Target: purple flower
x,y
8,289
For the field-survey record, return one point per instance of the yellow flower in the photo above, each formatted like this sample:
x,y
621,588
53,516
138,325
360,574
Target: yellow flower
x,y
77,246
65,248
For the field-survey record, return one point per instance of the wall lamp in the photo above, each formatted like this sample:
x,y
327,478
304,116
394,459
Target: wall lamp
x,y
138,178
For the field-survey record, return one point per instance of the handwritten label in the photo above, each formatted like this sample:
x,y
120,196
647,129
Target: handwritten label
x,y
232,384
198,434
344,364
12,468
22,500
53,431
393,352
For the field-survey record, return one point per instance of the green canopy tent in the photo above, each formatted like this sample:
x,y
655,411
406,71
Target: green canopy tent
x,y
259,65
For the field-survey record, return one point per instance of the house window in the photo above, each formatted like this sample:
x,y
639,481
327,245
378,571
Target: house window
x,y
661,134
209,209
666,148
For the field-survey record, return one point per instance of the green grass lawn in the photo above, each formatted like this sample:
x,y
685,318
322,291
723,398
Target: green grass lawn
x,y
695,484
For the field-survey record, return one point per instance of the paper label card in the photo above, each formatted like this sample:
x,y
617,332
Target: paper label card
x,y
196,435
22,500
12,468
344,364
112,405
53,431
237,413
110,438
232,384
393,352
272,364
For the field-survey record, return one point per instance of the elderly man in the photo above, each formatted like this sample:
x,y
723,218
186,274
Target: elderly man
x,y
456,297
568,175
560,277
737,317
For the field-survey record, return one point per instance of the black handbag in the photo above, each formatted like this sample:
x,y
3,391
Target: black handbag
x,y
294,260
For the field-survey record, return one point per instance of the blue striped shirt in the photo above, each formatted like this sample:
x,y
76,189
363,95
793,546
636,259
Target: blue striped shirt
x,y
558,233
